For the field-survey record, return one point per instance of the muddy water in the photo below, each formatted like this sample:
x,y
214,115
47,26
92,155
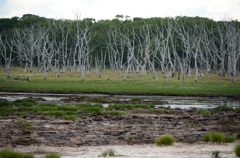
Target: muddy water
x,y
174,101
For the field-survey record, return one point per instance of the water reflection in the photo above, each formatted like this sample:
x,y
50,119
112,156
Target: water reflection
x,y
174,101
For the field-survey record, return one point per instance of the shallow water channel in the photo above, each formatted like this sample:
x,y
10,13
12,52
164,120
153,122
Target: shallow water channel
x,y
173,101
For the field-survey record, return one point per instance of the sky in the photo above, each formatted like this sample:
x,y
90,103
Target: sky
x,y
108,9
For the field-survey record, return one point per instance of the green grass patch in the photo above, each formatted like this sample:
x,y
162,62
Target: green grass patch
x,y
224,108
31,100
6,103
69,117
130,106
165,140
60,113
91,109
19,113
67,108
114,112
136,99
211,84
23,123
6,111
10,153
207,112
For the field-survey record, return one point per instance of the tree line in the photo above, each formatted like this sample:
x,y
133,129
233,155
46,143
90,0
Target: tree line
x,y
176,46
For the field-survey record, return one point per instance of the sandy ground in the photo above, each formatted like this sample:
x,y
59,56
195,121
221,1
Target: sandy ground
x,y
178,150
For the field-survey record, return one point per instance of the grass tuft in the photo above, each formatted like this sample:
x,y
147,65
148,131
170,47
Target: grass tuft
x,y
215,154
108,152
52,155
217,137
165,140
237,150
10,153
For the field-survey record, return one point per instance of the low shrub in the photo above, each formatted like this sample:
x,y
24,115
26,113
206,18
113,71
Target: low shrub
x,y
52,155
230,139
214,137
10,153
237,150
108,152
165,140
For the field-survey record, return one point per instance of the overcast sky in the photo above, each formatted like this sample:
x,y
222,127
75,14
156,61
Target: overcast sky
x,y
107,9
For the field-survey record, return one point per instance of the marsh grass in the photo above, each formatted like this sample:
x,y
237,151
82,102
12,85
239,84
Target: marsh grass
x,y
217,137
19,113
237,150
108,152
23,123
85,105
230,139
69,117
191,124
215,154
207,112
130,138
238,135
224,107
6,103
165,140
114,112
60,113
10,153
146,84
136,99
31,100
6,111
91,109
52,155
130,106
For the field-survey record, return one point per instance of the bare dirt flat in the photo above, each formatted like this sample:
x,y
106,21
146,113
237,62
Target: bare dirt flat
x,y
178,150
